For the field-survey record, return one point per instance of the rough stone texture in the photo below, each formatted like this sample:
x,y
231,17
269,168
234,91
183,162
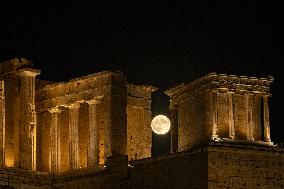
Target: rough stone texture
x,y
78,123
139,132
245,166
108,91
94,132
219,106
20,119
2,124
215,165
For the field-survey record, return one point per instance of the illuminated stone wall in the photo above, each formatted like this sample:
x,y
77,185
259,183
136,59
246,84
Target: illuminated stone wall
x,y
88,119
139,132
220,107
58,127
94,132
191,121
12,102
245,166
18,114
2,124
216,165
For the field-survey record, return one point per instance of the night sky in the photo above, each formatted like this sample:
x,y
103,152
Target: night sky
x,y
156,44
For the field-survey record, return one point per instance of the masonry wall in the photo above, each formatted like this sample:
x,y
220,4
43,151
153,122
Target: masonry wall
x,y
223,115
118,114
139,132
218,165
240,116
245,166
193,120
187,170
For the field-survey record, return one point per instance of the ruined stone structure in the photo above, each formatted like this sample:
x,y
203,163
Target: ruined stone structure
x,y
94,132
220,107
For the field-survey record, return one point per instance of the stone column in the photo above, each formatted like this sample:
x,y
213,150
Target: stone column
x,y
231,116
73,135
54,151
250,126
214,109
93,143
174,128
2,124
27,127
266,119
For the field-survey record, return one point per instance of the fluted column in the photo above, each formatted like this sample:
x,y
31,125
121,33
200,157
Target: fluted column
x,y
54,151
214,109
266,119
231,116
74,135
2,125
27,127
93,143
250,126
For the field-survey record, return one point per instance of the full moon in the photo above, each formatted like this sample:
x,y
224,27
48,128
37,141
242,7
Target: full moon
x,y
161,124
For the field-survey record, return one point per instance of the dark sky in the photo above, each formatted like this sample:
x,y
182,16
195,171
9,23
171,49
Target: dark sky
x,y
156,43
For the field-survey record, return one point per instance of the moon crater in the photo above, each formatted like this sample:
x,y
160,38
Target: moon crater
x,y
160,124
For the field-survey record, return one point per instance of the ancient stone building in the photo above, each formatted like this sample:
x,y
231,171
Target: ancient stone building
x,y
220,107
94,132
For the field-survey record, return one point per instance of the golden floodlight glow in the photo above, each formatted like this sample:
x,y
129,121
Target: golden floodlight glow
x,y
9,162
161,124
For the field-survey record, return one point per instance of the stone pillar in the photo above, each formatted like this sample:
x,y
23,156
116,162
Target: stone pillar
x,y
54,151
73,135
93,143
174,128
250,126
2,124
266,119
27,127
214,110
231,116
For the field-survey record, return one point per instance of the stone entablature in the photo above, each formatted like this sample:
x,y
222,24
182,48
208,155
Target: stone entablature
x,y
79,89
220,106
13,65
222,83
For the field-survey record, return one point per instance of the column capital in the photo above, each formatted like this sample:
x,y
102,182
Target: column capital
x,y
223,90
96,100
266,95
28,72
75,105
241,91
231,92
54,110
215,90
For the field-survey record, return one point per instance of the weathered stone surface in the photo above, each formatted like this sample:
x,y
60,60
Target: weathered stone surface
x,y
139,132
220,106
245,166
2,124
94,132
